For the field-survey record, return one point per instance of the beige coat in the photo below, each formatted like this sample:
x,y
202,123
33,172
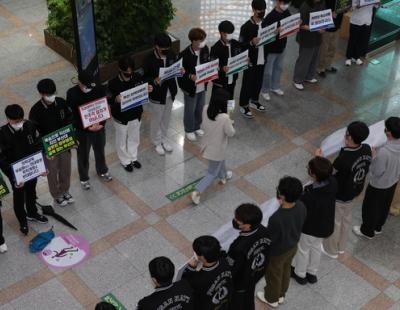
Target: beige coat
x,y
216,133
395,207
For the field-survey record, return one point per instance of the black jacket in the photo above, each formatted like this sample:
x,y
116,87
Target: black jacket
x,y
319,200
221,51
117,86
49,118
279,45
307,38
152,66
248,32
178,295
189,61
248,256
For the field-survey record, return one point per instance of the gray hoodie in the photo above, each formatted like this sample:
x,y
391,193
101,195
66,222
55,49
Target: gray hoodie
x,y
385,167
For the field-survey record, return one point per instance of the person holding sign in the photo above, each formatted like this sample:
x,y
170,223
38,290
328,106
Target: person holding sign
x,y
194,95
49,114
126,122
252,77
309,46
3,245
225,48
19,139
274,52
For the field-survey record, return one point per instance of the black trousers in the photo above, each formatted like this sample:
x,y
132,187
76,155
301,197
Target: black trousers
x,y
230,88
375,209
244,300
251,84
24,196
86,140
1,228
358,41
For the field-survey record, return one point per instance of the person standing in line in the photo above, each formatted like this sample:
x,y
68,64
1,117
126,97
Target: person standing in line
x,y
49,114
385,174
248,255
274,52
351,168
319,199
252,77
217,129
194,95
163,94
309,46
223,49
19,139
126,123
284,228
93,136
3,245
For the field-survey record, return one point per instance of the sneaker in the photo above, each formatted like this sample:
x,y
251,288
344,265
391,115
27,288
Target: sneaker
x,y
300,280
24,230
167,147
136,164
68,197
160,149
378,232
322,74
341,252
228,176
347,62
266,96
38,218
334,256
85,185
246,112
281,300
331,70
195,196
256,105
128,167
3,248
106,177
261,297
312,81
191,136
61,202
278,92
199,132
298,86
353,60
311,278
359,62
357,231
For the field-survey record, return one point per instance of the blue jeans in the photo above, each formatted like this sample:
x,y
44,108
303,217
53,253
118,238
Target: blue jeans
x,y
272,72
193,111
215,169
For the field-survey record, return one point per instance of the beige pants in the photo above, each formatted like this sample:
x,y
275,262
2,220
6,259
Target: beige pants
x,y
328,50
59,176
395,207
308,255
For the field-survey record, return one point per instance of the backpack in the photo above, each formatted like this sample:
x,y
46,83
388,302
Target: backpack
x,y
41,240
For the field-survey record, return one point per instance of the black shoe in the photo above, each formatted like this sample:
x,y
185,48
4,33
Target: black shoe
x,y
245,111
311,278
137,164
37,218
128,167
301,281
24,230
322,74
256,105
331,70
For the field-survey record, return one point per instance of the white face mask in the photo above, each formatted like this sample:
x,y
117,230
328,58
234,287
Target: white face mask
x,y
203,44
17,126
86,89
51,98
229,36
284,7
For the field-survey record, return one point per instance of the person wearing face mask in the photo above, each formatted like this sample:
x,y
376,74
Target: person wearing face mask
x,y
248,255
126,123
3,245
194,96
309,46
225,48
274,52
93,136
163,94
252,77
167,294
19,139
49,114
212,283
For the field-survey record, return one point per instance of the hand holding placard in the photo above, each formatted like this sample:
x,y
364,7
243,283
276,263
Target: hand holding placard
x,y
94,112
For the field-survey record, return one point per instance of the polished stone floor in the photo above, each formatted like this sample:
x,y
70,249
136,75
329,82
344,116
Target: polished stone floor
x,y
129,221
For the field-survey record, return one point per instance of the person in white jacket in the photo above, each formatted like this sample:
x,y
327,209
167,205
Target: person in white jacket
x,y
217,128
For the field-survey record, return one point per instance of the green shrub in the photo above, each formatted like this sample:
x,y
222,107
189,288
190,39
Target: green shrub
x,y
122,26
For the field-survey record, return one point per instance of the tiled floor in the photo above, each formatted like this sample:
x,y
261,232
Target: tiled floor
x,y
129,220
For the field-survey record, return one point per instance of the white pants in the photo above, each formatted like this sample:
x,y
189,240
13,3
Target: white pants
x,y
127,139
308,255
160,117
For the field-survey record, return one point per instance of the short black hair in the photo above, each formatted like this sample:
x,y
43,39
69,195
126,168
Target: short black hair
x,y
358,131
285,1
249,213
162,40
162,269
218,103
258,5
208,247
392,124
46,86
86,79
321,167
14,112
124,63
104,306
226,26
291,188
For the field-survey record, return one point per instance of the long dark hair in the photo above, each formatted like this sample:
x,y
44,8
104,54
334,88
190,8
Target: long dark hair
x,y
218,103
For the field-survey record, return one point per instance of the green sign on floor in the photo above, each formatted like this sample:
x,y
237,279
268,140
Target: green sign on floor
x,y
111,299
182,191
3,187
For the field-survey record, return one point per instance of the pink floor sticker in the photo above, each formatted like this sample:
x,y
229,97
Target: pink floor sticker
x,y
65,250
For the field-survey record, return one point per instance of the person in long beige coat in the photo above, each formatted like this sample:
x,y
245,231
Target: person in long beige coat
x,y
395,207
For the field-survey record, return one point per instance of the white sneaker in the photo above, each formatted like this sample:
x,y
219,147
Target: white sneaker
x,y
3,248
266,96
341,252
359,62
299,86
278,91
85,185
167,147
312,81
281,300
195,196
160,149
191,136
378,232
228,176
261,297
357,231
199,132
347,62
334,256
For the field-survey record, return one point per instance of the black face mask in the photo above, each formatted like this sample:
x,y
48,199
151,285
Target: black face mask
x,y
164,52
261,14
235,224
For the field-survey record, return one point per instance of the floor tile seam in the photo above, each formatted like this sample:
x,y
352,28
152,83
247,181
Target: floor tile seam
x,y
161,225
380,298
275,127
10,16
14,98
243,185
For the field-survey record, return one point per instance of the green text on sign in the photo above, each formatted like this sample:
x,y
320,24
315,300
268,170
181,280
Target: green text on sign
x,y
59,141
111,299
3,188
182,191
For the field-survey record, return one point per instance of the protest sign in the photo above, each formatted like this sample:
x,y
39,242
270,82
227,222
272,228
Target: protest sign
x,y
289,25
238,63
171,72
134,97
207,72
342,6
368,2
28,168
94,112
3,187
111,299
59,141
267,34
321,20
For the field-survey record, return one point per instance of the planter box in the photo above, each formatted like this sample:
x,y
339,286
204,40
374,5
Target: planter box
x,y
108,70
